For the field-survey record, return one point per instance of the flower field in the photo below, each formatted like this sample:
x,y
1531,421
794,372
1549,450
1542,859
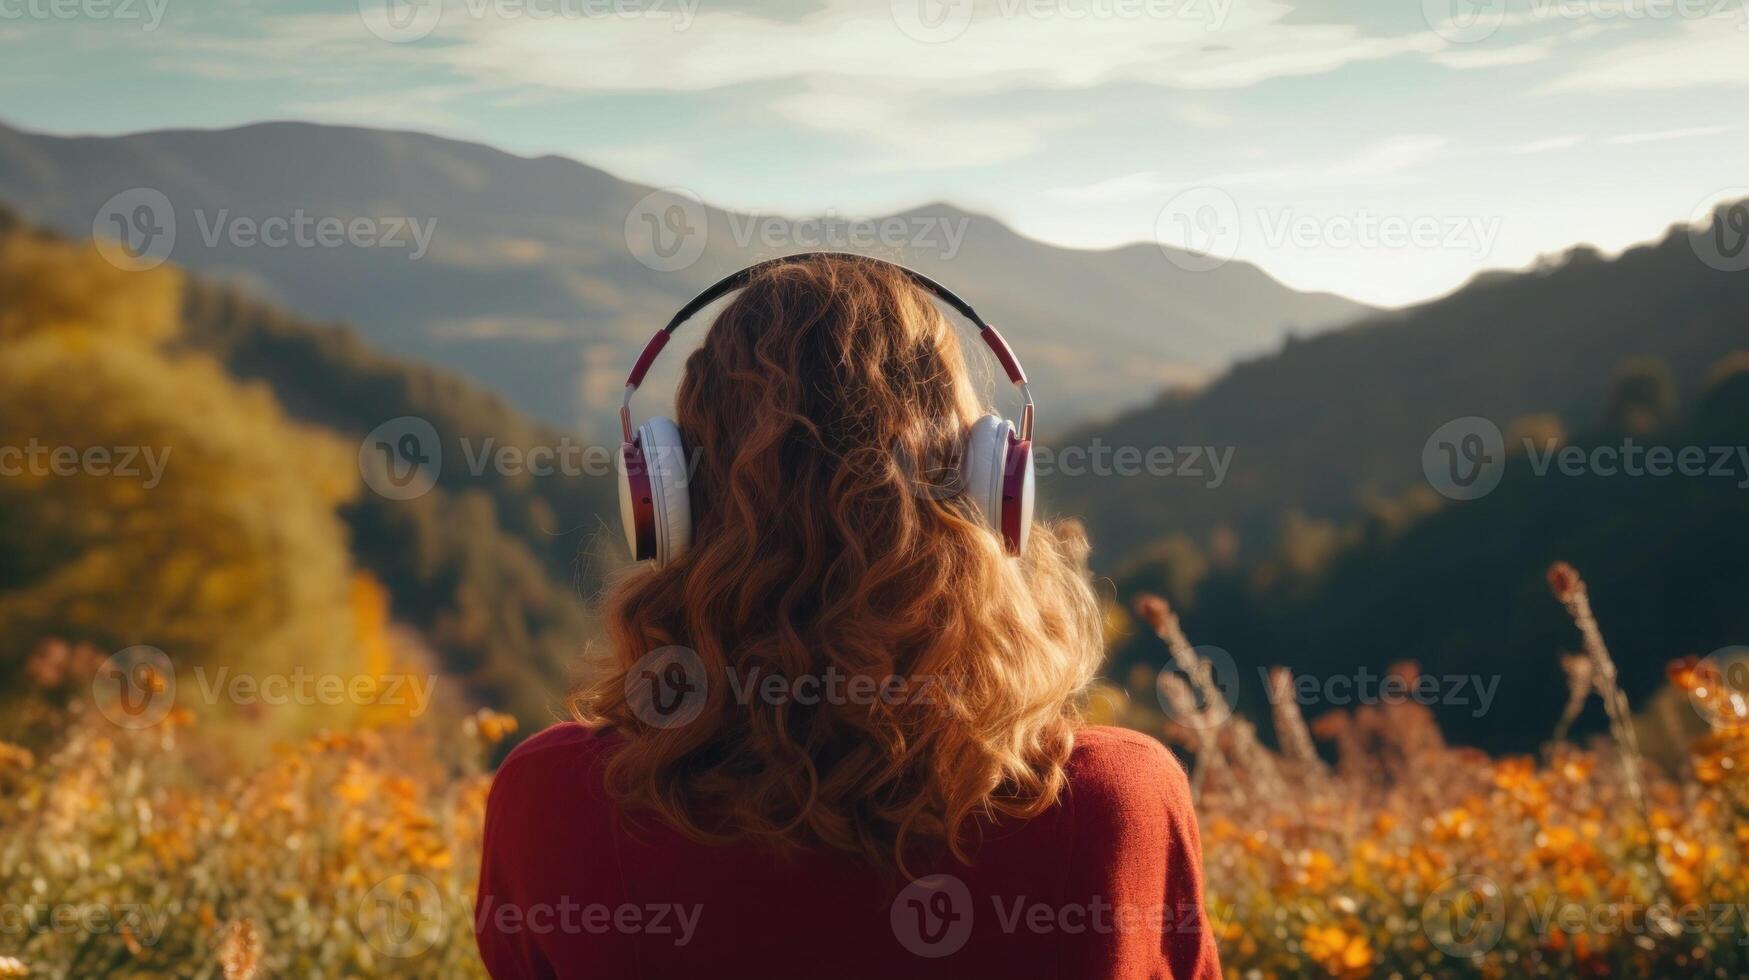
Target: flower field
x,y
156,852
146,853
1412,858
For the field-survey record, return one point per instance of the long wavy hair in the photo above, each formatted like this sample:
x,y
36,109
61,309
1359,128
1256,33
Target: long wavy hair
x,y
825,545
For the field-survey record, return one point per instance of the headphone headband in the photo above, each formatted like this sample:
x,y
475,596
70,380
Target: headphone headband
x,y
655,504
736,280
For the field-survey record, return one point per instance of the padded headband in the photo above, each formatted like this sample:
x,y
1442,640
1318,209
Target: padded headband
x,y
736,280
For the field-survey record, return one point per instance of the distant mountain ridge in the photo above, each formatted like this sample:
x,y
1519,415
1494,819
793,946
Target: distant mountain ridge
x,y
531,287
1332,424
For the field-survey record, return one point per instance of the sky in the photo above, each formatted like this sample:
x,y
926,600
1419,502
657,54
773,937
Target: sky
x,y
1383,149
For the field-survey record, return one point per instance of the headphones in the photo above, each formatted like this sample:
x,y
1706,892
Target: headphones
x,y
654,467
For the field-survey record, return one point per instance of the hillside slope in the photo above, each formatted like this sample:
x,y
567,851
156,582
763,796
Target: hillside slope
x,y
492,566
1460,586
1332,422
530,288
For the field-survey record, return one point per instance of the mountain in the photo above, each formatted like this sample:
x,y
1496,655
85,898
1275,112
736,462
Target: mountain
x,y
529,286
1336,423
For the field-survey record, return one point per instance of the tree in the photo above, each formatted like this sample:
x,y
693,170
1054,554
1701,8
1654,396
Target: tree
x,y
1644,397
147,498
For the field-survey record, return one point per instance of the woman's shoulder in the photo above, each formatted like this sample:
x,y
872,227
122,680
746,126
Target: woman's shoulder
x,y
562,744
548,844
1118,775
564,761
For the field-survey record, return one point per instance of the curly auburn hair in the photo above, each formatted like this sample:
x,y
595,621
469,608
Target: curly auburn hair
x,y
821,547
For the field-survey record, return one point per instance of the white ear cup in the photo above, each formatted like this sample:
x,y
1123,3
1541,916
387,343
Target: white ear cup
x,y
665,458
986,449
990,454
998,472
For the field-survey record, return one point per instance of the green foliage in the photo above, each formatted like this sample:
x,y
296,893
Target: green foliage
x,y
1336,421
1644,398
1460,589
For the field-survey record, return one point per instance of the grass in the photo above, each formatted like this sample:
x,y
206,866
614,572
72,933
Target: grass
x,y
161,852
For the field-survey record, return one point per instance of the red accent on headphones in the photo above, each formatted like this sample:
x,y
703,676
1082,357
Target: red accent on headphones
x,y
999,346
1015,469
647,358
631,456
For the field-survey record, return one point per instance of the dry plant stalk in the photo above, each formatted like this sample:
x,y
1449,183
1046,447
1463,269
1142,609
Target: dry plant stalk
x,y
1580,683
240,954
1257,762
1671,721
1569,588
1290,726
1182,697
1338,726
1203,738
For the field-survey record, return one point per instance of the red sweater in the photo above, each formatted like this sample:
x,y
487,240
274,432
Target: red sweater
x,y
1108,883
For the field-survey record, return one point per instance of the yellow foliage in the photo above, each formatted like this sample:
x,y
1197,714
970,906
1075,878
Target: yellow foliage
x,y
148,498
53,286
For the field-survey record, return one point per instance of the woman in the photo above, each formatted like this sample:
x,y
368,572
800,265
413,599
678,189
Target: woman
x,y
837,735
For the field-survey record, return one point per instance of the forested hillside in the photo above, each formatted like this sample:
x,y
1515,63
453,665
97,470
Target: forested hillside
x,y
1332,424
1458,586
258,520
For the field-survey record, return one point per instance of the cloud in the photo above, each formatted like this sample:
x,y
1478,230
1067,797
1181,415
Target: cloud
x,y
850,69
1393,158
1376,162
1662,135
1003,47
1546,145
1709,52
1202,116
900,132
1129,187
1517,54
